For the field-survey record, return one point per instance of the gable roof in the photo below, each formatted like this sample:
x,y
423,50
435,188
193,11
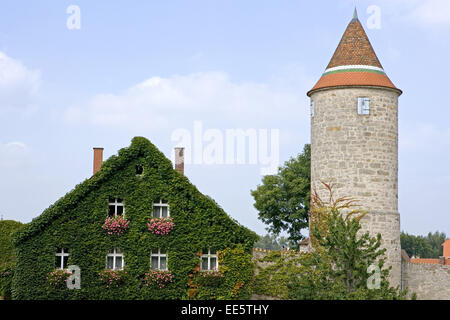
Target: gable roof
x,y
354,63
139,147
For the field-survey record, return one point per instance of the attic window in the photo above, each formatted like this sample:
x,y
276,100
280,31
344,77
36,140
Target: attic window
x,y
209,261
116,207
139,170
363,106
161,210
62,256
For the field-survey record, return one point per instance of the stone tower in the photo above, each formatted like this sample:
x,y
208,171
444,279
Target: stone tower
x,y
354,137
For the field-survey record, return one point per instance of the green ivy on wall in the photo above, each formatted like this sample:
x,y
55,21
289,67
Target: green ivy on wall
x,y
274,270
75,222
237,269
7,255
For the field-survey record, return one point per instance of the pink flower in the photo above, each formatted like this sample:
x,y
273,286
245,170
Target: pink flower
x,y
115,225
158,277
160,226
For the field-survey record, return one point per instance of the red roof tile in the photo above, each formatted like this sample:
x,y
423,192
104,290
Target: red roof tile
x,y
428,261
354,63
353,79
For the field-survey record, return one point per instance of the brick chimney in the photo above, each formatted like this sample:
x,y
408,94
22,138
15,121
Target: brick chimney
x,y
179,160
98,159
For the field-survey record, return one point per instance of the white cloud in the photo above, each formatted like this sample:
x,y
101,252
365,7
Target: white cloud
x,y
426,13
158,102
18,84
432,12
13,155
424,137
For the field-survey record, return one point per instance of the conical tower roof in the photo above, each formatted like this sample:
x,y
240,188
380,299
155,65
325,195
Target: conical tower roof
x,y
354,63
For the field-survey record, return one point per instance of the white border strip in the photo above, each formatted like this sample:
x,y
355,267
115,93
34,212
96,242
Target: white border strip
x,y
353,67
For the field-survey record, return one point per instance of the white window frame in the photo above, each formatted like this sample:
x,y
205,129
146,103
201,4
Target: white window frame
x,y
363,105
160,204
208,256
117,204
159,255
312,107
63,255
115,254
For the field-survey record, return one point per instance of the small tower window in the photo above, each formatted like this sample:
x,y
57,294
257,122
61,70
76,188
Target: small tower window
x,y
139,170
312,108
116,207
363,106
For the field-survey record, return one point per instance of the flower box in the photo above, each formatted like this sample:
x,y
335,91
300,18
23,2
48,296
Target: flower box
x,y
210,278
58,278
116,225
158,278
112,278
160,226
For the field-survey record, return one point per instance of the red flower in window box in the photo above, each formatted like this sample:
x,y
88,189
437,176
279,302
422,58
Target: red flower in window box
x,y
112,278
158,278
116,225
210,278
58,278
160,226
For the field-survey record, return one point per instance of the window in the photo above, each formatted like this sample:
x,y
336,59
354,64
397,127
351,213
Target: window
x,y
114,260
312,108
62,256
363,105
161,210
139,170
158,260
209,261
116,207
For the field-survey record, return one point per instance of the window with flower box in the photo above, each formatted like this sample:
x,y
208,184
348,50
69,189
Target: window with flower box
x,y
62,256
161,210
158,260
116,207
209,261
114,260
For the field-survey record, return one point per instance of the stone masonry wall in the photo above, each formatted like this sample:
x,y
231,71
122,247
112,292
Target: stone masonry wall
x,y
428,281
359,155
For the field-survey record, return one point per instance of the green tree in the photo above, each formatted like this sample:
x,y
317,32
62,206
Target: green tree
x,y
282,200
344,264
429,246
436,240
272,242
7,255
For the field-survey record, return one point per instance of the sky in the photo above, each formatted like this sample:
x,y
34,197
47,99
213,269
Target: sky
x,y
81,74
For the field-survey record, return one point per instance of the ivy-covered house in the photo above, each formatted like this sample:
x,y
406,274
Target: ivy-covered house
x,y
137,229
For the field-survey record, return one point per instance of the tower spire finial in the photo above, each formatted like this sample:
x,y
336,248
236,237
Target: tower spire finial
x,y
355,14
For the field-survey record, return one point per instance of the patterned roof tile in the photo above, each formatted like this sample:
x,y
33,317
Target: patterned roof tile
x,y
354,63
